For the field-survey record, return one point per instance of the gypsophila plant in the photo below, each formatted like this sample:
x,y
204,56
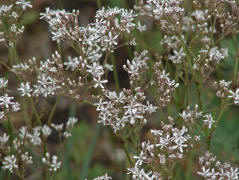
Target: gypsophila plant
x,y
164,116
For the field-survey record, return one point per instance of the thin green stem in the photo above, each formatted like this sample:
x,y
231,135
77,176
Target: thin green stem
x,y
98,4
237,59
87,161
88,102
187,56
53,109
35,112
199,90
127,154
60,4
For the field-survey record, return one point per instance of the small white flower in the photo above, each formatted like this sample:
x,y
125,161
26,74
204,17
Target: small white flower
x,y
46,131
24,4
5,101
109,67
177,57
2,115
35,137
55,164
105,177
23,132
25,89
3,83
27,158
67,134
52,163
205,172
235,96
10,163
208,121
3,139
57,127
73,63
141,27
71,122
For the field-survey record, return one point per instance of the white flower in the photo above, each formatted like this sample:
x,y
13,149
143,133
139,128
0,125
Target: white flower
x,y
10,163
111,40
105,177
235,96
5,101
57,127
23,132
233,173
2,115
99,82
35,137
55,164
177,57
24,4
208,121
73,63
67,134
25,89
3,139
46,131
200,15
71,122
140,159
109,67
52,163
3,83
205,172
141,27
27,158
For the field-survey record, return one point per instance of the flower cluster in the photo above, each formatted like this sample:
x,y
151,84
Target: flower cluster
x,y
137,67
225,12
189,116
208,59
214,169
49,78
94,39
51,162
123,109
222,88
15,160
10,15
7,105
168,13
165,86
168,146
